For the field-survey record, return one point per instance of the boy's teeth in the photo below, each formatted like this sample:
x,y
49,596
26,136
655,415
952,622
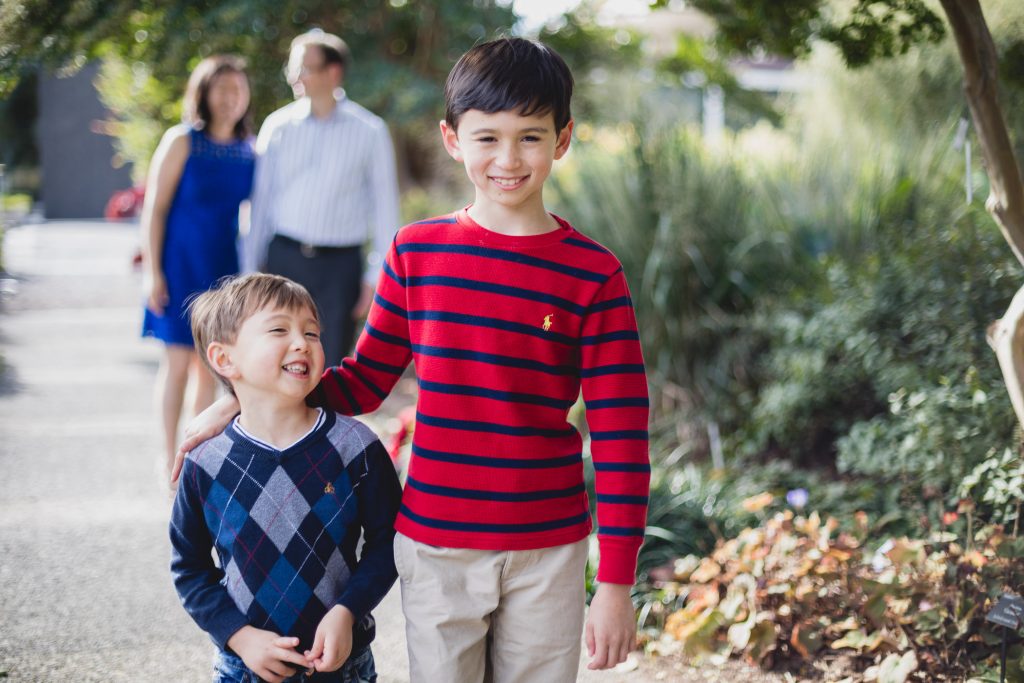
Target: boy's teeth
x,y
507,181
295,367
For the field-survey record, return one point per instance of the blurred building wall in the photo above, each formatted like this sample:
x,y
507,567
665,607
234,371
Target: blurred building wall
x,y
77,174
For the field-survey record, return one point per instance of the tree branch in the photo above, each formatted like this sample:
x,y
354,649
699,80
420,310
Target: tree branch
x,y
980,60
1006,337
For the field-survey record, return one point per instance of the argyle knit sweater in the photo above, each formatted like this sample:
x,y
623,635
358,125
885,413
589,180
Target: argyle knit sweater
x,y
285,525
504,332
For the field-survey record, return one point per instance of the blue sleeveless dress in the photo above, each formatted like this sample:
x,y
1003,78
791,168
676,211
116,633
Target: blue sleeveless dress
x,y
200,243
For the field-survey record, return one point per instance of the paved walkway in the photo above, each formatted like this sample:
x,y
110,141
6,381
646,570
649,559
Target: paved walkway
x,y
85,593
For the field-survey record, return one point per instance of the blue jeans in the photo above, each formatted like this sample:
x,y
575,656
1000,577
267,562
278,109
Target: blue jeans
x,y
228,668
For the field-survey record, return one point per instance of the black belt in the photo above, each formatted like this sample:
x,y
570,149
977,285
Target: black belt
x,y
312,250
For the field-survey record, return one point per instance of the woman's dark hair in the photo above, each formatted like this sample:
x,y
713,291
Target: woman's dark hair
x,y
196,109
509,74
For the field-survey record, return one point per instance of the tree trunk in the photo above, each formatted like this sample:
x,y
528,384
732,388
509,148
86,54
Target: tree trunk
x,y
1006,336
1006,200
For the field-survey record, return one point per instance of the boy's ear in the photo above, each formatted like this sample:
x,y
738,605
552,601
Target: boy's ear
x,y
450,139
220,360
564,138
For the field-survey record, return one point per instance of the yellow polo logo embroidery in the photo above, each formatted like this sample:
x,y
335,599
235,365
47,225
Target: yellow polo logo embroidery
x,y
548,319
329,488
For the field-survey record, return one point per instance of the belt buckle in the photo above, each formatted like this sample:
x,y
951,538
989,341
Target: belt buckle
x,y
307,250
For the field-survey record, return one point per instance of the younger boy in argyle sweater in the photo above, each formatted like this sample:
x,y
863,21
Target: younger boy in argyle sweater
x,y
507,313
282,495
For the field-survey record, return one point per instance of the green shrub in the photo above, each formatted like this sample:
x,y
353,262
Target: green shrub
x,y
996,485
685,223
891,372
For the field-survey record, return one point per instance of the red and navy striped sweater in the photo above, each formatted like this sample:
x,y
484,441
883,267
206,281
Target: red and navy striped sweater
x,y
504,331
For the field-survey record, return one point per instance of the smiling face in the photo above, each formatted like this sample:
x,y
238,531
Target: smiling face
x,y
507,157
276,356
228,98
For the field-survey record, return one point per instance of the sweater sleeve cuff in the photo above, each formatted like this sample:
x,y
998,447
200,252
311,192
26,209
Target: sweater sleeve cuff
x,y
226,626
358,607
618,560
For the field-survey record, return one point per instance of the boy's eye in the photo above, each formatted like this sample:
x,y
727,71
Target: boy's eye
x,y
487,138
313,335
276,330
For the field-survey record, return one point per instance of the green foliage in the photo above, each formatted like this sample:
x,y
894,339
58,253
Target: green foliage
x,y
693,506
796,586
870,30
418,204
845,351
18,113
141,104
826,304
685,224
17,204
996,483
884,362
596,54
402,50
876,30
587,45
695,56
907,100
53,33
892,360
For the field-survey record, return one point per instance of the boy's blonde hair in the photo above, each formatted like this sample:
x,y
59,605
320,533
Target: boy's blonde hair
x,y
217,315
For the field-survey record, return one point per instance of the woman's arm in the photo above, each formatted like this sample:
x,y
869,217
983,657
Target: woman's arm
x,y
164,175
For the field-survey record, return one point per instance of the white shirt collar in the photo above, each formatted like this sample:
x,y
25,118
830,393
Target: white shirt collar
x,y
270,447
304,105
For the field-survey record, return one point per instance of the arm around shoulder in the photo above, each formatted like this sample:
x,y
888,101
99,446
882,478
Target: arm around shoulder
x,y
361,383
203,426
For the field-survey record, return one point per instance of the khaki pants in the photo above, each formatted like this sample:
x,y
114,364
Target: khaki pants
x,y
483,615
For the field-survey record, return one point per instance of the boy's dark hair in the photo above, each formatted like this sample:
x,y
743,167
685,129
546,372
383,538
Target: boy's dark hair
x,y
509,74
217,314
196,107
333,48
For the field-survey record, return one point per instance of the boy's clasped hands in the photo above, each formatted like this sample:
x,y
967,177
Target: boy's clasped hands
x,y
274,658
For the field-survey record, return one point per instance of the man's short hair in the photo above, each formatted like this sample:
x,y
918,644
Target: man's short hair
x,y
333,48
218,314
509,74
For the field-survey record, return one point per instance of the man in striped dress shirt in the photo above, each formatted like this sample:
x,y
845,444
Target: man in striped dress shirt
x,y
325,181
508,313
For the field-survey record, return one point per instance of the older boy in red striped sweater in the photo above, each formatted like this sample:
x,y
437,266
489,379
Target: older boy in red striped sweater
x,y
507,312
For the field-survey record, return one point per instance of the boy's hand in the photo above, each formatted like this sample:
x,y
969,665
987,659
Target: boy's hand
x,y
362,306
271,656
611,626
203,426
332,644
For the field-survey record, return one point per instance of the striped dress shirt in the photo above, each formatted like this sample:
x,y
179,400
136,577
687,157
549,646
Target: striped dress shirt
x,y
504,332
325,182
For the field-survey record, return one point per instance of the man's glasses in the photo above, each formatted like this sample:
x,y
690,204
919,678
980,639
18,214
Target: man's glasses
x,y
292,75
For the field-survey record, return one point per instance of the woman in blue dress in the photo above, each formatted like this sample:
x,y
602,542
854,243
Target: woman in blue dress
x,y
199,176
